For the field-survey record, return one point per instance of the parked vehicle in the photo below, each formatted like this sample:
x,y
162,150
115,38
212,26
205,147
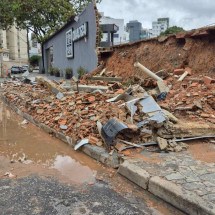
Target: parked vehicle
x,y
16,70
25,68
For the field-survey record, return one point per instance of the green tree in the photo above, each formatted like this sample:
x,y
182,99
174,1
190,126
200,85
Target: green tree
x,y
42,17
172,30
34,60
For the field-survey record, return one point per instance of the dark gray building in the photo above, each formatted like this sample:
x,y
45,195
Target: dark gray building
x,y
74,45
134,29
164,20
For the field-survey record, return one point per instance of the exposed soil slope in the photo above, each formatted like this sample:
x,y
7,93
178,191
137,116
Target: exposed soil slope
x,y
194,49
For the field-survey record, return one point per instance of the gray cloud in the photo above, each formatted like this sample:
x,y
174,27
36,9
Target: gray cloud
x,y
188,14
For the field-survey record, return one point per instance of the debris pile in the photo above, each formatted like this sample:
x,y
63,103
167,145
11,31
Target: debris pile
x,y
194,98
118,116
131,116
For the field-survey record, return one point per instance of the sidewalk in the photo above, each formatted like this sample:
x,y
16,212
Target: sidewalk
x,y
178,178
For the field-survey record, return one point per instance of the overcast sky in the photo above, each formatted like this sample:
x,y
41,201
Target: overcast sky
x,y
188,14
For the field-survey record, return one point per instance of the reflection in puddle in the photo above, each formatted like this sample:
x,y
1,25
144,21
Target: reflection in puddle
x,y
73,169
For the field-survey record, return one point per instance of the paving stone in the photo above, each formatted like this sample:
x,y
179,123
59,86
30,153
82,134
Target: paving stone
x,y
208,177
209,184
210,190
201,192
199,171
194,186
193,179
181,181
211,197
175,176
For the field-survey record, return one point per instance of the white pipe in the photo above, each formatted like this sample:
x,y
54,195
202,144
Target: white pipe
x,y
147,71
183,76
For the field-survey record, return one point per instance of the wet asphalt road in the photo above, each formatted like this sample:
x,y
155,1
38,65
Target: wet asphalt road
x,y
36,195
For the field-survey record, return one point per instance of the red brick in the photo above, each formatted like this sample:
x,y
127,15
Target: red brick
x,y
91,99
189,70
195,84
93,140
178,71
120,91
208,80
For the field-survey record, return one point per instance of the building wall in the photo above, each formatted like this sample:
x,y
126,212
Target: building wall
x,y
17,44
120,36
159,26
134,28
3,40
35,47
23,47
84,49
4,52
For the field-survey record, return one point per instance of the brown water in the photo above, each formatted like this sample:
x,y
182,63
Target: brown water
x,y
28,144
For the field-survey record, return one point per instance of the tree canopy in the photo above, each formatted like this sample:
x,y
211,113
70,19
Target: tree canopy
x,y
42,17
172,30
34,60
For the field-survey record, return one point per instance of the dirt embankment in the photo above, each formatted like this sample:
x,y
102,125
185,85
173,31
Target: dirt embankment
x,y
194,49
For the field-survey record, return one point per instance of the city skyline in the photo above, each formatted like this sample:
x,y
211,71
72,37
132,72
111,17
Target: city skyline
x,y
189,15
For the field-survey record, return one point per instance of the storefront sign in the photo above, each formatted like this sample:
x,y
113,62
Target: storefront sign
x,y
69,44
80,32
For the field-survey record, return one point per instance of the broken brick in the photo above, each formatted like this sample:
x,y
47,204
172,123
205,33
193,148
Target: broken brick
x,y
189,70
178,71
91,99
93,140
208,80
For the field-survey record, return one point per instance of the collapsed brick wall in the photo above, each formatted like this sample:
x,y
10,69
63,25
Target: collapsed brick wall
x,y
194,52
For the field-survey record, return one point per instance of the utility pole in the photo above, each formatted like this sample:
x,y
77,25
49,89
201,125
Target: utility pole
x,y
1,63
28,45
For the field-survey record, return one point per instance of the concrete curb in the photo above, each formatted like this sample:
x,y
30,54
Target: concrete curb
x,y
95,152
186,201
135,174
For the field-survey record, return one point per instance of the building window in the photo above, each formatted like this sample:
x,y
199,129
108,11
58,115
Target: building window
x,y
116,36
69,45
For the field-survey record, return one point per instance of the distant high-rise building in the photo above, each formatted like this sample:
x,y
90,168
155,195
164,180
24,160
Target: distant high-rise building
x,y
159,26
35,47
13,43
166,20
134,29
3,46
145,33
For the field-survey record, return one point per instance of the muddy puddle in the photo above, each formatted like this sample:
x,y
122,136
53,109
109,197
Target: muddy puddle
x,y
27,144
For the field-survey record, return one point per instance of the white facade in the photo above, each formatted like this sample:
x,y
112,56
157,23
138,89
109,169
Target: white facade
x,y
13,43
3,46
121,36
35,47
17,43
158,27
